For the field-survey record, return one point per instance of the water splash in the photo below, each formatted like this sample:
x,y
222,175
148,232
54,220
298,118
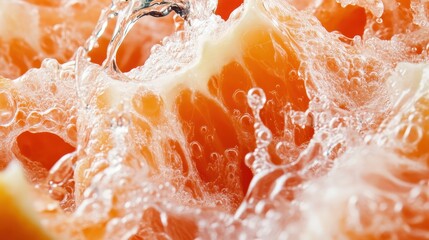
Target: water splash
x,y
60,181
122,189
259,160
128,12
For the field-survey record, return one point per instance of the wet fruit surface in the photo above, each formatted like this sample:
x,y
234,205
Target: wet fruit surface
x,y
182,120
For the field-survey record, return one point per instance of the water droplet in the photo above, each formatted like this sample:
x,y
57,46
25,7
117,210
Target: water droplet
x,y
51,64
398,207
127,14
239,96
379,20
263,137
249,159
164,219
214,156
415,192
7,108
260,165
260,207
57,193
179,22
256,98
246,120
62,171
357,40
283,149
231,154
259,159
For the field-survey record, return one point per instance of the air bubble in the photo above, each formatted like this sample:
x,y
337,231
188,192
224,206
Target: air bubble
x,y
246,120
249,159
293,74
231,167
214,156
239,96
7,108
196,149
210,138
263,137
231,154
260,164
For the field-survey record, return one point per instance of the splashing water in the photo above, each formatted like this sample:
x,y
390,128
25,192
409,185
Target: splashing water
x,y
259,160
127,14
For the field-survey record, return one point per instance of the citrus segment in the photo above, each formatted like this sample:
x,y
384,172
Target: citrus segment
x,y
45,148
337,149
349,21
18,220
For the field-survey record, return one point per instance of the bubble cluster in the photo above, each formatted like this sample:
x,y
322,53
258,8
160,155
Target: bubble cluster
x,y
259,159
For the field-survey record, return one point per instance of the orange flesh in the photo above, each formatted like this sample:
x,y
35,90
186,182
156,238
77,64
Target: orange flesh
x,y
210,127
17,218
349,21
225,7
45,148
14,223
